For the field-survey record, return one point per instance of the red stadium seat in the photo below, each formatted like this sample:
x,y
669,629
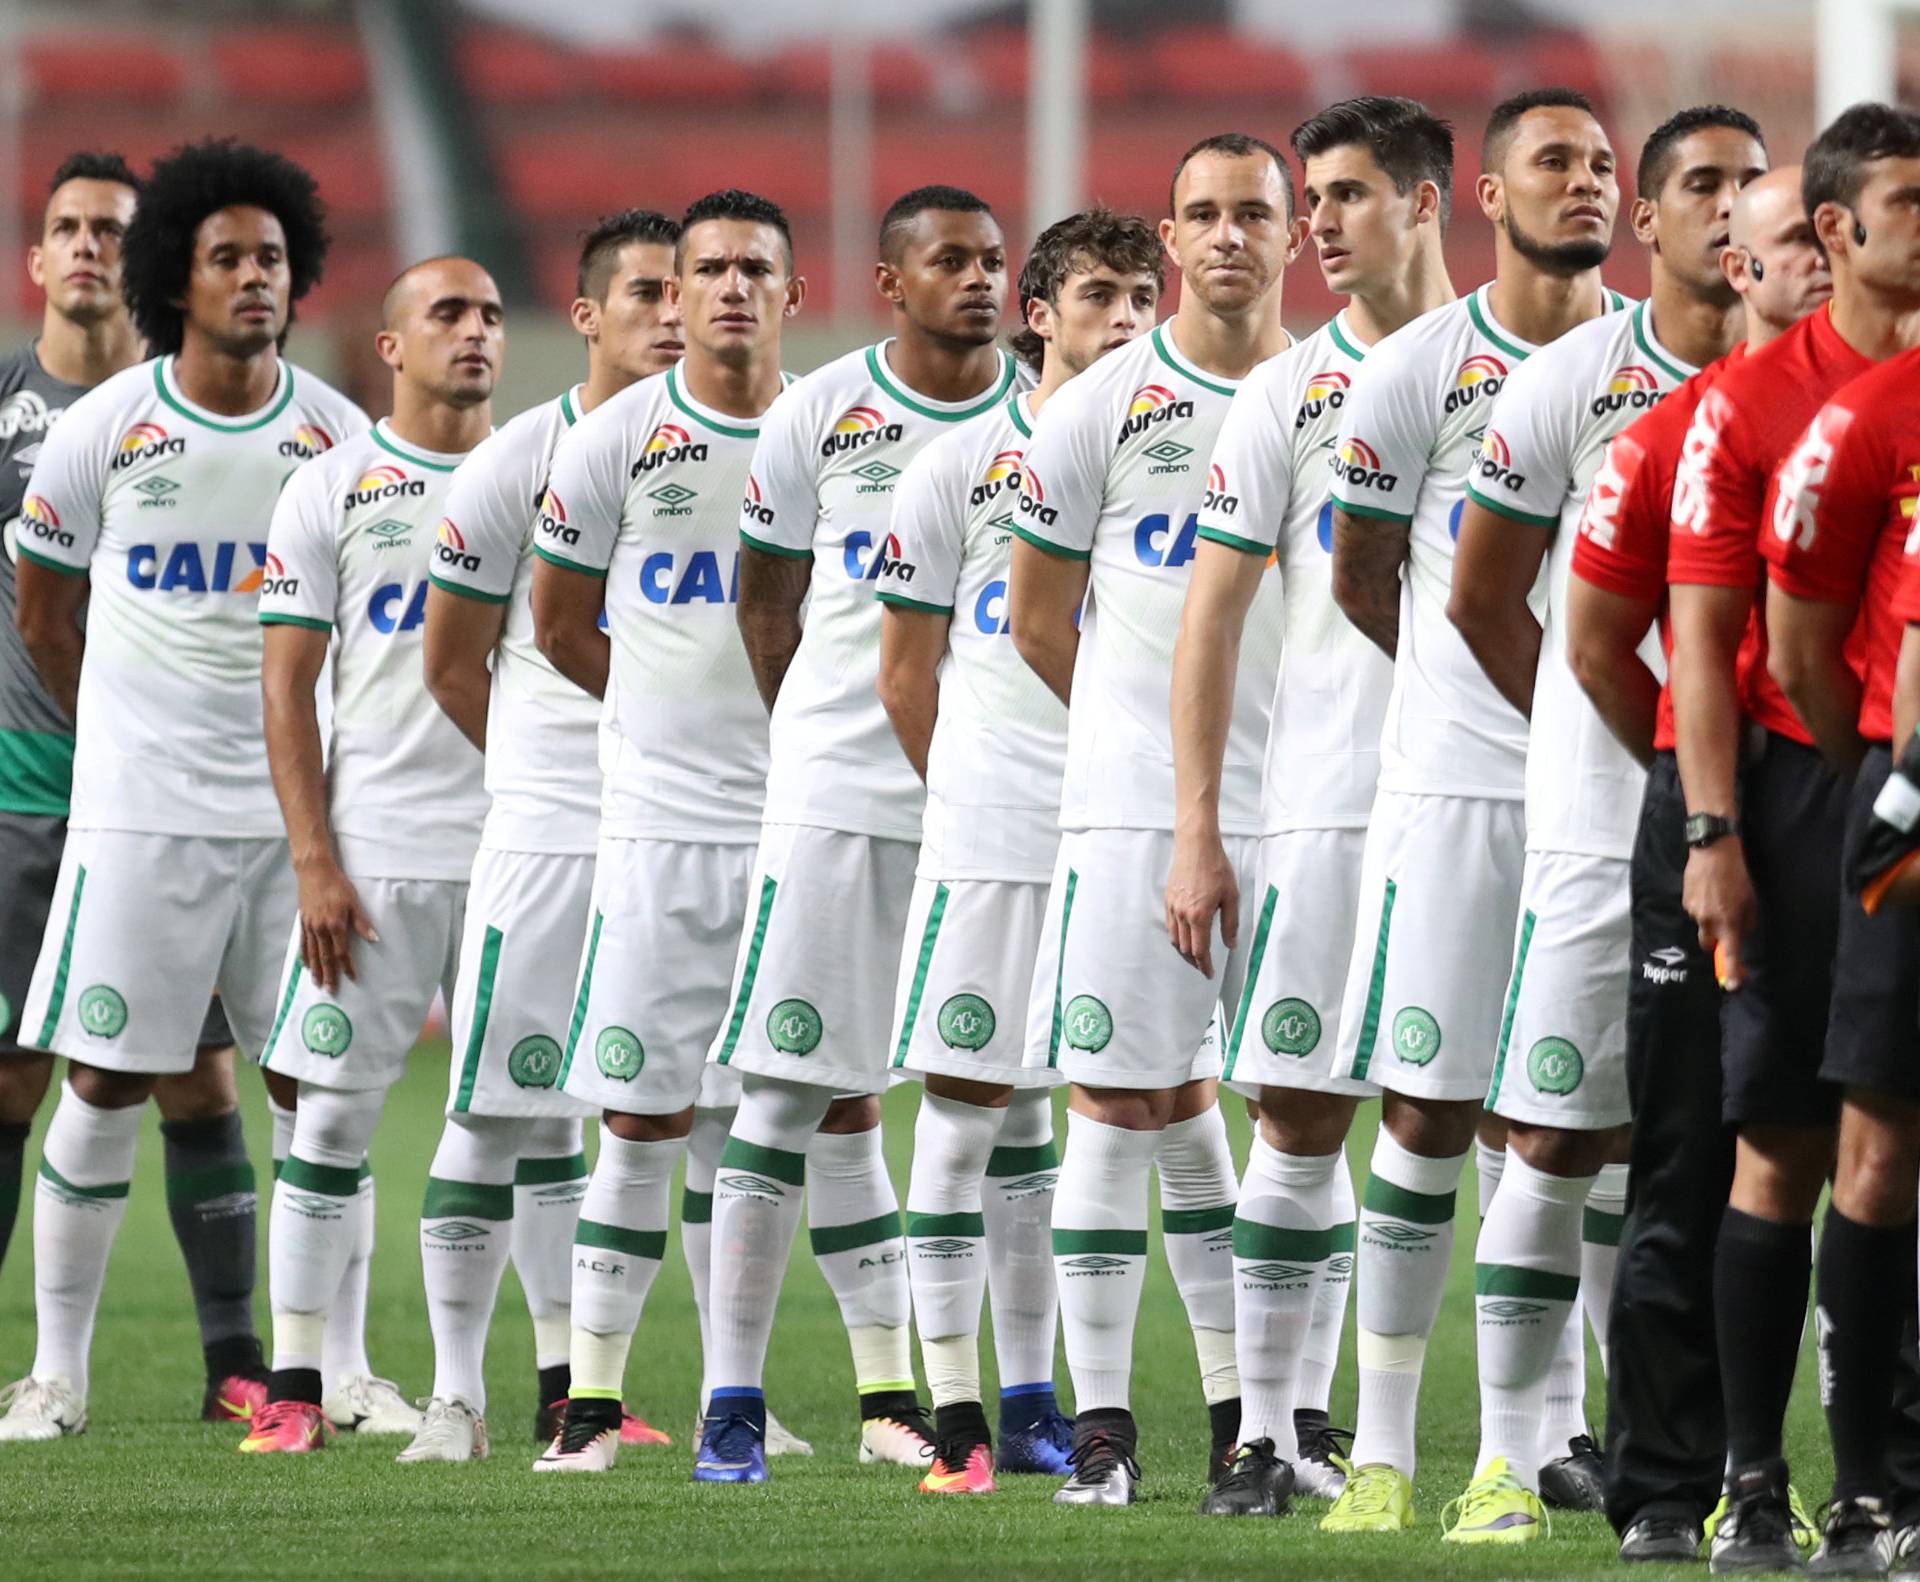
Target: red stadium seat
x,y
998,57
1559,60
900,75
503,67
1214,63
306,66
671,74
1453,72
103,67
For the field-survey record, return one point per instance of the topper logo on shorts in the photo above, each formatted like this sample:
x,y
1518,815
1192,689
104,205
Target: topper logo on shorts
x,y
752,507
1358,463
1003,473
1088,1024
1495,464
618,1054
859,568
326,1030
1554,1066
534,1062
1416,1036
794,1027
275,580
1631,388
967,1022
40,523
382,483
552,520
306,442
1326,392
668,443
858,426
1152,404
1217,498
103,1011
185,569
1479,377
664,580
1290,1027
144,442
1033,499
450,548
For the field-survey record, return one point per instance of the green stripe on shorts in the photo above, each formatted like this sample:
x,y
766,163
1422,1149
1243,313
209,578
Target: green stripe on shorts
x,y
286,1005
59,996
928,936
1254,958
482,1006
1060,970
1513,1004
1376,990
580,1000
768,888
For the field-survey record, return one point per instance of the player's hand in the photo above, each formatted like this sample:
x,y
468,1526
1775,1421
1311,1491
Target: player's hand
x,y
1718,895
330,915
1200,886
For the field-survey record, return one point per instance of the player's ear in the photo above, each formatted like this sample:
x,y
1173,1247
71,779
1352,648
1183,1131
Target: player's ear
x,y
585,314
1641,217
796,295
1492,193
1733,265
1167,229
36,265
1426,203
387,344
1040,317
886,281
1832,228
1296,237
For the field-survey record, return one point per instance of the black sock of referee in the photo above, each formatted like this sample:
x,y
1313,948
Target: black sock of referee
x,y
1760,1275
13,1164
1861,1267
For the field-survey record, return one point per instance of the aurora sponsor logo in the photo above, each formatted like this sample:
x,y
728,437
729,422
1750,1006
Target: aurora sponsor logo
x,y
1357,463
1218,500
1494,464
144,442
668,443
857,427
382,483
274,580
1326,392
1631,389
1003,473
552,520
1479,377
306,442
1033,499
39,522
450,547
752,507
1151,405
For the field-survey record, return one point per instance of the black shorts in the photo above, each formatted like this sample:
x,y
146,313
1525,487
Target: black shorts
x,y
1792,819
1873,1040
30,847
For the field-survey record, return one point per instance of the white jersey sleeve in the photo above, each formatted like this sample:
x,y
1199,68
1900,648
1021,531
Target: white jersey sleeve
x,y
1250,484
1525,462
484,533
302,584
586,493
60,517
1064,481
929,523
1387,436
782,502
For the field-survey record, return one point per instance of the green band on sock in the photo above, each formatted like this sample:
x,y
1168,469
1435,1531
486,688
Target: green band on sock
x,y
696,1208
775,1162
1196,1221
466,1200
1251,1239
1023,1161
845,1238
276,1168
1534,1285
112,1189
1601,1228
576,1393
924,1225
1396,1202
620,1238
544,1172
365,1170
329,1180
1343,1237
196,1186
1125,1243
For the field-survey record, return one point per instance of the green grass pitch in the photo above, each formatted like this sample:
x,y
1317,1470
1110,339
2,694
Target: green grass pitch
x,y
150,1492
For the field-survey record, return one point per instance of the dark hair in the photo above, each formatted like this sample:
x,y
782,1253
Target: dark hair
x,y
192,182
1834,169
1507,113
1659,154
1124,243
909,206
1237,145
731,203
1408,142
93,165
600,247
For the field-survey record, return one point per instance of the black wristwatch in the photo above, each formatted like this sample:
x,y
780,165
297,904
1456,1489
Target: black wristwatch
x,y
1703,829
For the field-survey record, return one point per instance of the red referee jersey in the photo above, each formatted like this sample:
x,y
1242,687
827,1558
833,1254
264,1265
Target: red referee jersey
x,y
1840,512
1742,431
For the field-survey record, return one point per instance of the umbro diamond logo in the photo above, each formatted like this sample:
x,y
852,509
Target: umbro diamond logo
x,y
1095,1263
1392,1230
1044,1182
1506,1308
944,1246
455,1230
757,1186
1274,1273
313,1204
565,1192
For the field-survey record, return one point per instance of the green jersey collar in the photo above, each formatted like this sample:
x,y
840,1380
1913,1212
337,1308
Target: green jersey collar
x,y
170,392
940,411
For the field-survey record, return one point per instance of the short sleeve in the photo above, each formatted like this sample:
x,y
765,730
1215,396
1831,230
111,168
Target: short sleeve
x,y
1250,484
782,504
579,520
1386,439
302,584
929,525
1622,542
1718,497
1825,507
1525,461
1906,591
489,518
1063,482
59,519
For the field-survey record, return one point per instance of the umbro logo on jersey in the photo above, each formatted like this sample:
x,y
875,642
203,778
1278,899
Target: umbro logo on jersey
x,y
1495,464
1668,964
1003,473
275,580
1033,499
1631,388
382,483
752,508
1479,377
39,521
143,442
668,443
1358,463
308,440
1217,497
670,499
451,548
876,477
858,426
390,533
1152,404
1326,392
156,491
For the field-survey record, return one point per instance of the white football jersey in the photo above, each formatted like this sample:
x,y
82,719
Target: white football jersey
x,y
165,505
1271,498
543,753
1117,473
645,491
349,553
1415,417
1000,738
831,450
1545,442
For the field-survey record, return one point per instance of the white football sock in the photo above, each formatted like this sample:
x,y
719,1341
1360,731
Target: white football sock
x,y
281,1121
1600,1228
1526,1281
79,1199
548,1184
1197,1193
1405,1243
1100,1254
756,1210
1022,1173
618,1244
315,1223
1488,1163
1320,1357
853,1218
464,1224
1283,1235
704,1145
946,1227
343,1353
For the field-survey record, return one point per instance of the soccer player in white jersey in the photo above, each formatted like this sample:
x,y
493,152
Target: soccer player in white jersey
x,y
1559,1076
1440,879
148,506
990,740
510,1158
1378,177
642,517
810,1004
382,889
1113,478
